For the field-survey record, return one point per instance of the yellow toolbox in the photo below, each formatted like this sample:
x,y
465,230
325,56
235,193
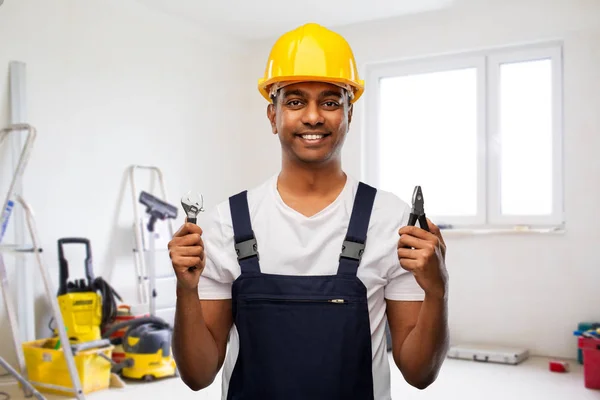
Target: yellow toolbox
x,y
48,372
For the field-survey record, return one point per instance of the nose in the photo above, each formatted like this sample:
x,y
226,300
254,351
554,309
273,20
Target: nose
x,y
312,114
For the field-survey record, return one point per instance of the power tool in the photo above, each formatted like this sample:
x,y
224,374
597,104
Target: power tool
x,y
147,347
85,306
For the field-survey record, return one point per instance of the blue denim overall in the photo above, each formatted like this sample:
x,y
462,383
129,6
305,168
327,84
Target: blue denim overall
x,y
302,337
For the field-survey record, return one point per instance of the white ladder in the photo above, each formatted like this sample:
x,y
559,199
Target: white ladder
x,y
10,201
146,276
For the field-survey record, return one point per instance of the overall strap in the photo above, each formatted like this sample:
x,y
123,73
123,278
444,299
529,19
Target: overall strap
x,y
356,237
245,242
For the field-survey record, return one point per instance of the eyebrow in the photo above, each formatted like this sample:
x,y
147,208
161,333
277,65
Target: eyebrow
x,y
298,92
332,93
295,92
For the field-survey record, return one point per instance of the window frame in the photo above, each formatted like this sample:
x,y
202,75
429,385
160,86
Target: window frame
x,y
487,62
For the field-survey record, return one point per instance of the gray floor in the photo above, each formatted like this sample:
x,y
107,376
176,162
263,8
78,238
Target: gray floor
x,y
464,380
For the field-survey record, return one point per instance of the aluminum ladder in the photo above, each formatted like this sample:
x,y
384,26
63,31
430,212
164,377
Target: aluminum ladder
x,y
147,276
9,203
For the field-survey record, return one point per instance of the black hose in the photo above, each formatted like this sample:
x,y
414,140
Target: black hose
x,y
109,300
108,297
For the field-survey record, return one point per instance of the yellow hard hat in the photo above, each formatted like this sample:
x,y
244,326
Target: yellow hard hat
x,y
311,53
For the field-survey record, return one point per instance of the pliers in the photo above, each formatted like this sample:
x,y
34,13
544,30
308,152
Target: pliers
x,y
417,212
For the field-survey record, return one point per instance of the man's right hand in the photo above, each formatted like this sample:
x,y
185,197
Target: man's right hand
x,y
186,250
201,327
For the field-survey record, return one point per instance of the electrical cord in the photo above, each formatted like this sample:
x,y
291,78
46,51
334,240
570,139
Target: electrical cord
x,y
109,300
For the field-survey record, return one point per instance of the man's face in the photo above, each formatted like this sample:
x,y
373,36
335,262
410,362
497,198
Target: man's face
x,y
311,119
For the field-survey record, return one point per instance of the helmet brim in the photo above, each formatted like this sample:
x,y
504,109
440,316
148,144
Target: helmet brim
x,y
264,85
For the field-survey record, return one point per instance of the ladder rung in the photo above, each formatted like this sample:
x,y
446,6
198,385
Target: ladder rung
x,y
13,248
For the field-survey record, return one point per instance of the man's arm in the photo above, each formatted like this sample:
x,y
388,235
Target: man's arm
x,y
419,333
200,337
201,327
420,336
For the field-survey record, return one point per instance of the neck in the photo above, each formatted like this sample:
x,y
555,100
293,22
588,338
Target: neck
x,y
318,180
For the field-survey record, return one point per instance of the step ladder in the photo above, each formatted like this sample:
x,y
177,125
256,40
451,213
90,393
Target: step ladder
x,y
146,271
10,201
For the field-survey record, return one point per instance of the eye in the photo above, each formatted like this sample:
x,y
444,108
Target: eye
x,y
331,104
294,103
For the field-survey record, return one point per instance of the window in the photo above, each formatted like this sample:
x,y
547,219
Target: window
x,y
481,133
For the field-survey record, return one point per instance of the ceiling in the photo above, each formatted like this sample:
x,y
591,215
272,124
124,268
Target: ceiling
x,y
257,19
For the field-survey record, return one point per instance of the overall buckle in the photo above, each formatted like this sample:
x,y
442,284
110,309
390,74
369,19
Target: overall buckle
x,y
352,250
246,249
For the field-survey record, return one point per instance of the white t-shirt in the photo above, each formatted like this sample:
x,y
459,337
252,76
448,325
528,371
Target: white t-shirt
x,y
290,243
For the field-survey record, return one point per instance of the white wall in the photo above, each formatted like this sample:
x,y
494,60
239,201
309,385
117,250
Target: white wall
x,y
503,288
112,83
109,84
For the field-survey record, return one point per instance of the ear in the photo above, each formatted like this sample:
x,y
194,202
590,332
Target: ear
x,y
350,110
271,115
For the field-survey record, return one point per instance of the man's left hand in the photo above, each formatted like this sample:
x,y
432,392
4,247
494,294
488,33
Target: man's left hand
x,y
423,253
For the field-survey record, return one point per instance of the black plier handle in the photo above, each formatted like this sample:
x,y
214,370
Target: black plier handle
x,y
417,212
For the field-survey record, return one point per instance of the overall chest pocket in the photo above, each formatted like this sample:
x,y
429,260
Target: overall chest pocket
x,y
305,347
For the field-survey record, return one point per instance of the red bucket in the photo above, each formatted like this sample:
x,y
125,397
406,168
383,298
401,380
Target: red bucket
x,y
591,361
123,314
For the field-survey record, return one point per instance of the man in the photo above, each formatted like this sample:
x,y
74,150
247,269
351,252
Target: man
x,y
287,286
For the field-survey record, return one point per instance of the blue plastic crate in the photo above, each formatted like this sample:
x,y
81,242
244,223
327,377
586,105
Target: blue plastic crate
x,y
584,326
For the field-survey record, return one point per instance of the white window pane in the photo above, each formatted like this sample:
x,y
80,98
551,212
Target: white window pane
x,y
428,137
526,138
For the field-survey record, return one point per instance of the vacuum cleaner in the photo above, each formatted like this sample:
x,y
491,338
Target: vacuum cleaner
x,y
147,349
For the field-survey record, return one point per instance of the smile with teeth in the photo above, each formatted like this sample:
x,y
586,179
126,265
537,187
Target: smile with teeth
x,y
313,137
